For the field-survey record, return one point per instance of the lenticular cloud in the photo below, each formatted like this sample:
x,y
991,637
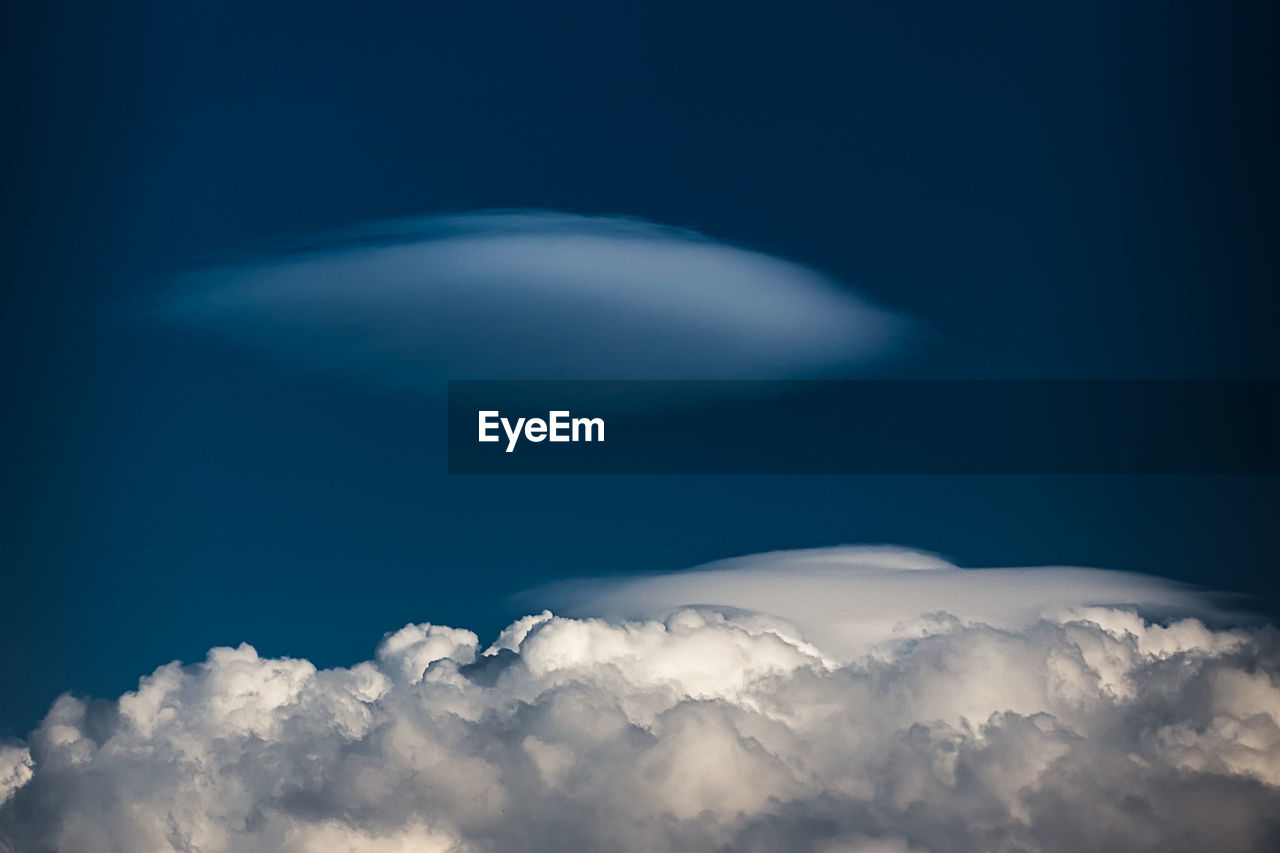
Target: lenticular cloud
x,y
1086,728
535,295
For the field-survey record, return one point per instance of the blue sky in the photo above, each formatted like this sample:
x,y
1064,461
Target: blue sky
x,y
1086,192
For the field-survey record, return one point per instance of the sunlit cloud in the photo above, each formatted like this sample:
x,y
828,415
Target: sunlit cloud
x,y
1084,728
850,598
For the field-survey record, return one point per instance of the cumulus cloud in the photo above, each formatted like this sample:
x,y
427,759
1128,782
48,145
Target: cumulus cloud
x,y
15,769
536,295
1084,728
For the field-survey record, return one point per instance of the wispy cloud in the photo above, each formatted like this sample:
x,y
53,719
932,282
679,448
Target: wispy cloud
x,y
536,295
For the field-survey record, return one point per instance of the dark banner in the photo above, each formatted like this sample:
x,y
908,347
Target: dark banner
x,y
864,427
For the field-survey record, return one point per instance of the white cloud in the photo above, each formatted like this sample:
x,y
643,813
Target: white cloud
x,y
1082,728
851,598
536,295
15,769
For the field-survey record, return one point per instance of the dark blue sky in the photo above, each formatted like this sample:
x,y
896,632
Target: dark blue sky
x,y
1081,192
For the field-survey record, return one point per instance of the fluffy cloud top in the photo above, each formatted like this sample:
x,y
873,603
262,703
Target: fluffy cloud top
x,y
536,295
1086,728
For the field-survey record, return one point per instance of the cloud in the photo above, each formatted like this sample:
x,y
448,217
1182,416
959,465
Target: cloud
x,y
850,598
1085,728
15,769
536,295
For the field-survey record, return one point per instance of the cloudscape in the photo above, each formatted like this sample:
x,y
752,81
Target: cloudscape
x,y
519,427
1085,728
